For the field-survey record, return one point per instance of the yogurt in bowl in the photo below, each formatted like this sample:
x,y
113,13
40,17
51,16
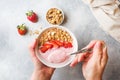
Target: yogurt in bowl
x,y
54,45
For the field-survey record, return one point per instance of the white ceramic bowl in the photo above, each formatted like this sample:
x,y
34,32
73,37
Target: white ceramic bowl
x,y
66,62
59,10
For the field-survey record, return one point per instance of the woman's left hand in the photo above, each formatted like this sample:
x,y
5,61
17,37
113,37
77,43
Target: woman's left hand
x,y
41,71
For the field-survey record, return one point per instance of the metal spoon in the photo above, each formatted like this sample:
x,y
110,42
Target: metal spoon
x,y
82,51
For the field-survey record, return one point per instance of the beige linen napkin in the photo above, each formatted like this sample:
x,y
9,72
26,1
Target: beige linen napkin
x,y
107,13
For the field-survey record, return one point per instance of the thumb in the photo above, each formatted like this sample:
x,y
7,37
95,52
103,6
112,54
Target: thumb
x,y
97,50
32,52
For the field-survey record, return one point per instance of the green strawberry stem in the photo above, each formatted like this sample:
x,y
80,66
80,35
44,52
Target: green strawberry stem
x,y
30,13
21,27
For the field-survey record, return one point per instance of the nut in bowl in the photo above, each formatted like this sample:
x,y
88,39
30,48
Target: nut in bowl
x,y
55,16
54,46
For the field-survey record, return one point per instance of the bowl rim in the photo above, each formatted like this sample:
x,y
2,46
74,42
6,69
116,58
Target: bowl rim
x,y
71,57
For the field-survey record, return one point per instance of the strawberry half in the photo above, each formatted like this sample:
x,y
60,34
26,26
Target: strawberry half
x,y
47,45
32,16
59,43
22,30
43,49
55,45
68,44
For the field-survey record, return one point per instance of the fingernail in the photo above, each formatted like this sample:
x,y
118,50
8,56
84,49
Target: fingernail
x,y
98,44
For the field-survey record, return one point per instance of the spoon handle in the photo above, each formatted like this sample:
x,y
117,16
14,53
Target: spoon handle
x,y
81,51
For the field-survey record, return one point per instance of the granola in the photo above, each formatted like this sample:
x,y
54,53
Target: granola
x,y
54,33
54,16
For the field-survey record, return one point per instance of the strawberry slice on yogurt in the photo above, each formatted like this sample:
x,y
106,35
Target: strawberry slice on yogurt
x,y
56,51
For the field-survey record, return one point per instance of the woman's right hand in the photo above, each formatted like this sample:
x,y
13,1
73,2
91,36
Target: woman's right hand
x,y
93,63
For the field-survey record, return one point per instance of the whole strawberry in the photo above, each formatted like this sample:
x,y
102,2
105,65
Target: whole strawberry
x,y
22,30
32,16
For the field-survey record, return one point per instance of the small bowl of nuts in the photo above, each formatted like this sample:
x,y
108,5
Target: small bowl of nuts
x,y
54,45
55,16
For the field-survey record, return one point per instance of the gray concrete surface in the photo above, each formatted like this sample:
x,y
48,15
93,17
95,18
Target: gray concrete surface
x,y
15,61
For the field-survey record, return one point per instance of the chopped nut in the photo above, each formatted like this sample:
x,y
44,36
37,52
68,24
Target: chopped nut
x,y
54,34
54,16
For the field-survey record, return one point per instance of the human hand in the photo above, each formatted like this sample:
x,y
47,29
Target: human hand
x,y
41,71
93,63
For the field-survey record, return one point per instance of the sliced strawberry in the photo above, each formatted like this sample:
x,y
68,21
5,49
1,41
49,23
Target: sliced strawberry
x,y
65,45
43,49
47,45
68,44
59,43
55,45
